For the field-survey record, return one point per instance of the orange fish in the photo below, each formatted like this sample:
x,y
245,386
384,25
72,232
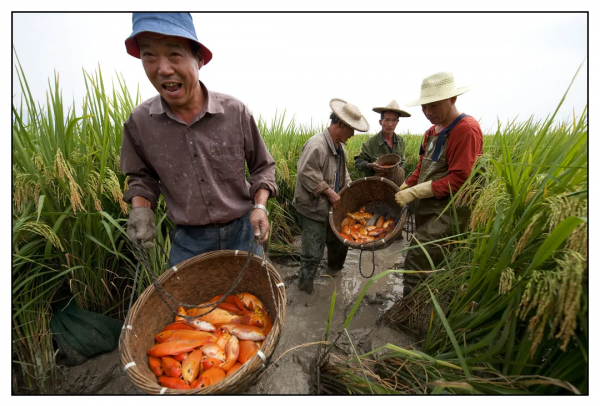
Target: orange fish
x,y
347,237
348,221
247,350
171,366
252,319
234,368
173,348
231,308
210,377
380,221
224,336
156,365
208,363
181,312
191,367
180,357
345,230
245,332
201,325
266,320
233,299
250,301
375,232
232,351
217,316
214,351
173,335
173,383
178,326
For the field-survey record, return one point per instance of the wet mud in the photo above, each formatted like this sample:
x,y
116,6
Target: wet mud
x,y
305,323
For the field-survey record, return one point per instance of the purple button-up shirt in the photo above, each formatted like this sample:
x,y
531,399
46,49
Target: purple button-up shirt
x,y
199,168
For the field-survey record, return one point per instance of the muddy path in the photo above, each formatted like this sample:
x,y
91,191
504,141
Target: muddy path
x,y
305,322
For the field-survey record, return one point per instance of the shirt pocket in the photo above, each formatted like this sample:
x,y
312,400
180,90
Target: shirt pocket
x,y
228,162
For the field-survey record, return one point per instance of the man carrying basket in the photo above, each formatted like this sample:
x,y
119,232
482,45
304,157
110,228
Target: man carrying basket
x,y
322,173
448,153
384,143
191,144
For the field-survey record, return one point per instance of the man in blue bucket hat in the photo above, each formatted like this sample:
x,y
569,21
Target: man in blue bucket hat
x,y
191,144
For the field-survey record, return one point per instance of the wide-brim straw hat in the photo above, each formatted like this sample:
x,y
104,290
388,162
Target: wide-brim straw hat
x,y
171,24
349,114
393,107
439,86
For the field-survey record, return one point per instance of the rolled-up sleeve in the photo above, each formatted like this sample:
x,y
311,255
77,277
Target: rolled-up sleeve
x,y
142,179
310,175
260,162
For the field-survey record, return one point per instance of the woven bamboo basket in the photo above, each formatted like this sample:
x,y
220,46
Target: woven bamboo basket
x,y
396,172
197,280
363,192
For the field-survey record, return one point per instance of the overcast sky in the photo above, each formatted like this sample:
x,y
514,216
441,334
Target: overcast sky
x,y
517,65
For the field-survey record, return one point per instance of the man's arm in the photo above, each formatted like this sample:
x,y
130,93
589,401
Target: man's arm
x,y
142,180
461,152
362,160
260,162
309,171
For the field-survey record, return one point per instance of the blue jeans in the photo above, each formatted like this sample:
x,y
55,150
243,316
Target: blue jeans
x,y
189,241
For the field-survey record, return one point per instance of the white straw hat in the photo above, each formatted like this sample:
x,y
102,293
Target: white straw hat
x,y
393,106
349,114
439,86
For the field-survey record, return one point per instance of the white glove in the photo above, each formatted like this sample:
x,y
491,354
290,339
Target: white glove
x,y
420,191
404,186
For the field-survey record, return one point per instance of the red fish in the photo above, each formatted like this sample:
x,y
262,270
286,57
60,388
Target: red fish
x,y
172,383
232,351
156,365
171,366
173,348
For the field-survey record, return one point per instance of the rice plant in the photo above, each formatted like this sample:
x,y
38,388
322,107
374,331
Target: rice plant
x,y
506,311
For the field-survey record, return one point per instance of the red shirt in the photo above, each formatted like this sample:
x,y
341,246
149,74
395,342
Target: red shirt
x,y
463,145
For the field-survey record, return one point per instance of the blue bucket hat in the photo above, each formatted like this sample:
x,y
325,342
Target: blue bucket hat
x,y
173,24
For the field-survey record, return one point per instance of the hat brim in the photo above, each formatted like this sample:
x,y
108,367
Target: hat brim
x,y
337,105
432,99
162,28
384,109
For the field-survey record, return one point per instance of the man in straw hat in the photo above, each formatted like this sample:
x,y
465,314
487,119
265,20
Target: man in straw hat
x,y
448,153
191,144
383,143
322,173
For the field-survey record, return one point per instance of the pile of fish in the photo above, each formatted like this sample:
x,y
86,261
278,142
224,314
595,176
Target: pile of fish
x,y
203,351
363,227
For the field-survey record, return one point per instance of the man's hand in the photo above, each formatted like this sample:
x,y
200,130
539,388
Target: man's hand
x,y
420,191
260,224
141,228
333,197
380,170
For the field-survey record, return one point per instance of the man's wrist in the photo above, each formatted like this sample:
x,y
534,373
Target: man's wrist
x,y
260,207
139,201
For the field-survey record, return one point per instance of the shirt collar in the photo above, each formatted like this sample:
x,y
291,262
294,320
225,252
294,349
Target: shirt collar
x,y
212,105
382,138
330,142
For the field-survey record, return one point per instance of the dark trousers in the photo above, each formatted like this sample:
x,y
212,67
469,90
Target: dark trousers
x,y
430,227
189,241
315,235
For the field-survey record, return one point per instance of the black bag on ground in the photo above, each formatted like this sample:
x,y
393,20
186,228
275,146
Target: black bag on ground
x,y
81,334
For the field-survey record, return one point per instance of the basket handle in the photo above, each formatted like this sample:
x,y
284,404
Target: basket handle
x,y
360,261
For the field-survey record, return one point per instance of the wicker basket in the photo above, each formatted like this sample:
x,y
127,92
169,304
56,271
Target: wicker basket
x,y
197,280
362,192
396,172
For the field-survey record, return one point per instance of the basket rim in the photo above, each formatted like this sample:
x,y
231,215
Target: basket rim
x,y
380,243
252,367
395,156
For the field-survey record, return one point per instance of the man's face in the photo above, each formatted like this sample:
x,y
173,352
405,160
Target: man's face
x,y
346,132
171,67
437,112
389,123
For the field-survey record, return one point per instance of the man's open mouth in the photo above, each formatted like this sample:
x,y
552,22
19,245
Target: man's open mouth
x,y
171,87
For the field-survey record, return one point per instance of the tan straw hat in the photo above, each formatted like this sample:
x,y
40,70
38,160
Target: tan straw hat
x,y
439,86
349,114
393,106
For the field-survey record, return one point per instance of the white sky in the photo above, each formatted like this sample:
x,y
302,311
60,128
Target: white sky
x,y
517,65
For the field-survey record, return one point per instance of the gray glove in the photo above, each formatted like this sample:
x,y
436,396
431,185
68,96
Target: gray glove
x,y
141,228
